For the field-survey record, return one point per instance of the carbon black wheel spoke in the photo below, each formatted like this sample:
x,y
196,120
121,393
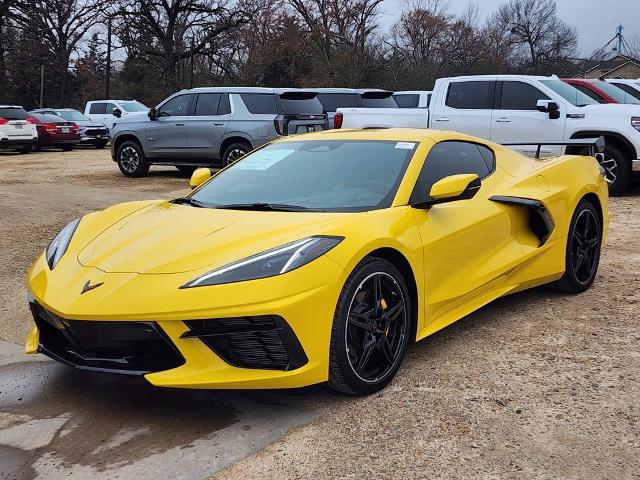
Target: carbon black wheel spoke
x,y
393,313
365,356
357,322
385,348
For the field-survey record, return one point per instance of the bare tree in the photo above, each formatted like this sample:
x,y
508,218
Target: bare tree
x,y
536,32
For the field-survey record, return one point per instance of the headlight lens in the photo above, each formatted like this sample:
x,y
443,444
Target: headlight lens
x,y
59,244
270,263
635,122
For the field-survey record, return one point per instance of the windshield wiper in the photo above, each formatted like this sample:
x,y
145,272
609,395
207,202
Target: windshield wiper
x,y
189,201
272,207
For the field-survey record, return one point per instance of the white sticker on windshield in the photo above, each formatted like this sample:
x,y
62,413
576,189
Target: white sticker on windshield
x,y
263,159
405,145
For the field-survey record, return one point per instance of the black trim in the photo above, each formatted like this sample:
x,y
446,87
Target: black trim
x,y
617,136
595,145
262,342
540,221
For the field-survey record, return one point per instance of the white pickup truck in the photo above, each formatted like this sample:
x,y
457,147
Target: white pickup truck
x,y
522,109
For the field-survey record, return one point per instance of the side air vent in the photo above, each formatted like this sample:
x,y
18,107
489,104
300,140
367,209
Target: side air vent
x,y
540,221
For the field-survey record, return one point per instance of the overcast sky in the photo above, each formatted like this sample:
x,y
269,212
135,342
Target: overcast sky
x,y
595,20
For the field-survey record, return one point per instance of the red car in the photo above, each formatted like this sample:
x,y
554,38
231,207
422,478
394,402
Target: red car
x,y
602,92
54,131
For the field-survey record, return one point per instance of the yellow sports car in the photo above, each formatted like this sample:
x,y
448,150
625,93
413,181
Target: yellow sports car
x,y
316,258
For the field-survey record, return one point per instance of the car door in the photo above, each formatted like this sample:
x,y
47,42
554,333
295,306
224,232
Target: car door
x,y
469,245
207,125
166,134
517,119
466,107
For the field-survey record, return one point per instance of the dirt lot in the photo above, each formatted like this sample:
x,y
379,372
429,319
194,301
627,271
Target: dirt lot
x,y
535,385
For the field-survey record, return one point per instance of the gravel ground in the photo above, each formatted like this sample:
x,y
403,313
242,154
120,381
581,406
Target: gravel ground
x,y
535,385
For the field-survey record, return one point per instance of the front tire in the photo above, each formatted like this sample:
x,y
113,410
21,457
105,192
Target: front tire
x,y
235,152
66,148
371,329
186,169
26,149
582,255
100,145
617,169
131,160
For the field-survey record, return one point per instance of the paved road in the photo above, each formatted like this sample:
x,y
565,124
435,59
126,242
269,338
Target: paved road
x,y
56,422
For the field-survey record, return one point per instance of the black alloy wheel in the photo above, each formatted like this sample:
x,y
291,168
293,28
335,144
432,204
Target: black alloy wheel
x,y
371,329
583,250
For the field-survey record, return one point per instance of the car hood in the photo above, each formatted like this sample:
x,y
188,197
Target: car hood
x,y
170,238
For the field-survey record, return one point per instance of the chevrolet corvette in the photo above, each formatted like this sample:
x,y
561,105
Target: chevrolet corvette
x,y
314,259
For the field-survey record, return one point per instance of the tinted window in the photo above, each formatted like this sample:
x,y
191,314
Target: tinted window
x,y
332,101
207,104
335,175
471,95
48,118
110,107
225,107
451,158
630,90
520,96
71,115
133,107
259,103
300,103
13,113
588,92
378,100
176,107
98,108
616,93
569,93
407,100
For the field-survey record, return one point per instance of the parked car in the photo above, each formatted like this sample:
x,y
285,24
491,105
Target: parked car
x,y
522,109
334,98
601,91
212,126
632,87
91,133
17,131
109,112
413,98
55,131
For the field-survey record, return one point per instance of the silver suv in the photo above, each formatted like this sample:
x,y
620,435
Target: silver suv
x,y
212,126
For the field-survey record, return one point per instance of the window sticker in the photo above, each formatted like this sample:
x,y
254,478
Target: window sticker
x,y
263,159
405,145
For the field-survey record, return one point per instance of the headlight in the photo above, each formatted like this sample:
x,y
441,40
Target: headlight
x,y
59,244
635,122
270,263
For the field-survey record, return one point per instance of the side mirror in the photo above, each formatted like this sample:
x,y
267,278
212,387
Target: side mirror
x,y
451,188
550,107
152,113
199,176
116,112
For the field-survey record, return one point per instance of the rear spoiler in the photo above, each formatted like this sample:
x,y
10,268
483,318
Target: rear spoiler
x,y
376,94
595,145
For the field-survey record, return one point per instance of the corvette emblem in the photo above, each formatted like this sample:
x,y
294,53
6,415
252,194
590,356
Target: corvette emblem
x,y
88,286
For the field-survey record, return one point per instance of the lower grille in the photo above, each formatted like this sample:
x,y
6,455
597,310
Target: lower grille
x,y
134,348
95,131
265,342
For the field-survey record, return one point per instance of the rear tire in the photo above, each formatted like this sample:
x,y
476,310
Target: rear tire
x,y
582,255
235,152
369,337
186,169
66,148
131,160
26,149
617,167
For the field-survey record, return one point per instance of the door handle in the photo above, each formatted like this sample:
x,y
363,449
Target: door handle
x,y
218,124
179,124
441,119
503,120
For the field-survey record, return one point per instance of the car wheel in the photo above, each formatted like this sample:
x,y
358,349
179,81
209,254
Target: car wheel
x,y
583,250
234,152
186,169
66,148
100,145
131,160
26,149
371,329
617,169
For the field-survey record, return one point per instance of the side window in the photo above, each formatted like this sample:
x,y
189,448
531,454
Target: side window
x,y
590,93
207,104
452,158
520,96
471,95
109,108
407,100
176,107
259,103
224,108
630,90
98,108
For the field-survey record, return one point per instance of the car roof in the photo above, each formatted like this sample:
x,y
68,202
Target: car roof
x,y
111,100
388,134
11,106
241,90
54,110
502,77
413,92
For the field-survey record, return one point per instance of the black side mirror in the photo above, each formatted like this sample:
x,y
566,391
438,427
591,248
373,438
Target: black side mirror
x,y
449,189
152,113
550,107
116,112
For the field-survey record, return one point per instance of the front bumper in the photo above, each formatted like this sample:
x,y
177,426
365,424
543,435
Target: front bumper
x,y
221,333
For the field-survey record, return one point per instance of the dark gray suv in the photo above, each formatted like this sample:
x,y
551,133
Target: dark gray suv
x,y
212,126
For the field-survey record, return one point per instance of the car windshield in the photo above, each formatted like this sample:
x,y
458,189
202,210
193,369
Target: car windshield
x,y
133,107
569,93
616,93
314,175
72,116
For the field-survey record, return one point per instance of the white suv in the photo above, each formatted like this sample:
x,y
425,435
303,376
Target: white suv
x,y
110,111
16,131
